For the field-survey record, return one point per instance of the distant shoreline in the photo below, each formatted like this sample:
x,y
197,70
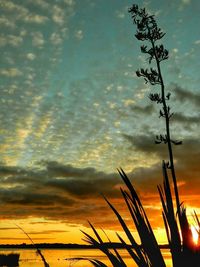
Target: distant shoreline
x,y
63,246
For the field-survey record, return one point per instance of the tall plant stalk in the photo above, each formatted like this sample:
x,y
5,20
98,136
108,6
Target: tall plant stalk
x,y
147,30
34,245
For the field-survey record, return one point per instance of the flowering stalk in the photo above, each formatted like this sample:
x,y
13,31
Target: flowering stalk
x,y
147,30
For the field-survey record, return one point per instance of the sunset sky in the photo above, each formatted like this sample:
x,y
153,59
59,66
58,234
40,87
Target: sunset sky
x,y
73,111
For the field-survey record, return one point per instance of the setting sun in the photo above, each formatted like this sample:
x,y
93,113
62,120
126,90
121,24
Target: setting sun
x,y
195,234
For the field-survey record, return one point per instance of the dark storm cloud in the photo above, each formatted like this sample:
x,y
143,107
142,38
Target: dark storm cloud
x,y
145,143
57,191
79,182
67,193
184,95
40,187
186,161
142,110
56,169
27,197
180,118
187,152
141,142
72,194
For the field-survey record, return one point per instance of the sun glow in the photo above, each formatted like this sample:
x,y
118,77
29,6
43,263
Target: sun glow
x,y
195,234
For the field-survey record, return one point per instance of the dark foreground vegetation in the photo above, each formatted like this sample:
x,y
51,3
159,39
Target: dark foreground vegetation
x,y
183,251
10,260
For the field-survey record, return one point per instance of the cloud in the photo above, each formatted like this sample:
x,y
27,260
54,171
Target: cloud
x,y
186,2
23,13
143,143
8,228
197,42
79,34
186,157
11,72
56,191
58,15
11,40
31,56
5,22
41,3
69,2
35,18
64,192
59,12
81,182
120,14
46,232
139,110
184,95
128,102
180,118
22,238
56,39
10,6
38,39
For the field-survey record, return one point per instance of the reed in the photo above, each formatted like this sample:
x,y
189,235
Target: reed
x,y
38,251
147,252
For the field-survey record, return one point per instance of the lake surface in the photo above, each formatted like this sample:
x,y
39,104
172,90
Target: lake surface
x,y
56,257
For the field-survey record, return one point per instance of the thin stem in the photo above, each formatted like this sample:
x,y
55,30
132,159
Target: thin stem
x,y
167,126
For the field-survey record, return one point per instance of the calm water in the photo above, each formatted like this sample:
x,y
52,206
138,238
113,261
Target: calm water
x,y
56,257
